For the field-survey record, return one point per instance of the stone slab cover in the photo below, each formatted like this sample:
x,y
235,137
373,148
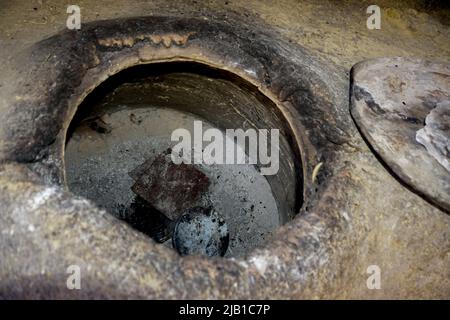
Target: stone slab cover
x,y
402,108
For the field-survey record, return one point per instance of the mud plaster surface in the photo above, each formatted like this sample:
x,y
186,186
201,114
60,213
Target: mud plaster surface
x,y
409,239
335,29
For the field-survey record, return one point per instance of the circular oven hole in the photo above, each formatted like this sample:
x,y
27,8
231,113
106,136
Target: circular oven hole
x,y
119,154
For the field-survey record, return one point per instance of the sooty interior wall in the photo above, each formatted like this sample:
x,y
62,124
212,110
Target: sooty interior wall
x,y
128,119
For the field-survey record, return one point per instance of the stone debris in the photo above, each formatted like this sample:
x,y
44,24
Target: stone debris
x,y
170,188
435,136
201,231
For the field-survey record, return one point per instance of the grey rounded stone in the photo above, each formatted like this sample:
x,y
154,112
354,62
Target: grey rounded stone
x,y
201,231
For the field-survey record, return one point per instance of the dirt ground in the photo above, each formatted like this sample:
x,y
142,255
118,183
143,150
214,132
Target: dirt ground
x,y
335,29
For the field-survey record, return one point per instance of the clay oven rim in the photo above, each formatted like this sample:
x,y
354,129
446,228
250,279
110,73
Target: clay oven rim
x,y
72,64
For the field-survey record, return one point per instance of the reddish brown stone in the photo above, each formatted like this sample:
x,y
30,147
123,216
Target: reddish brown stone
x,y
170,188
